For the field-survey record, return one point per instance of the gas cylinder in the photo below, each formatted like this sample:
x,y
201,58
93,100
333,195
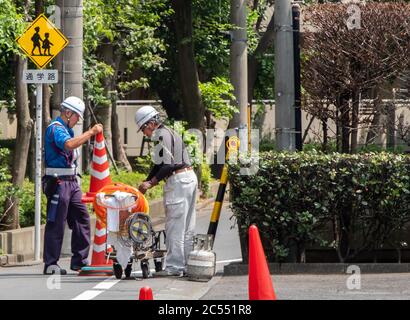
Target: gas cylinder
x,y
202,260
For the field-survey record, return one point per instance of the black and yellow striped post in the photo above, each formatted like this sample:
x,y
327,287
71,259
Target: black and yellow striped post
x,y
232,145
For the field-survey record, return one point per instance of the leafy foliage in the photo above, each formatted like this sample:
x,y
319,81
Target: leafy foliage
x,y
129,27
215,95
12,25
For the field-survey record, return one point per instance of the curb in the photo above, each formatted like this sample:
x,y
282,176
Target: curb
x,y
241,269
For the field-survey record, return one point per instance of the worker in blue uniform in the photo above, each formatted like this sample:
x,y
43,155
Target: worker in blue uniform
x,y
62,190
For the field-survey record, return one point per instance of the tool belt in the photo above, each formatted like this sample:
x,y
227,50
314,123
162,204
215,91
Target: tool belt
x,y
53,176
181,170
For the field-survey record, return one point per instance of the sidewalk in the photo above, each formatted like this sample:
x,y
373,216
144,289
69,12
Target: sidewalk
x,y
393,286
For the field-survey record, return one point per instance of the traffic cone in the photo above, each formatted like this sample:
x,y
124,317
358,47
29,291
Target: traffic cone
x,y
100,265
260,282
100,167
146,293
100,177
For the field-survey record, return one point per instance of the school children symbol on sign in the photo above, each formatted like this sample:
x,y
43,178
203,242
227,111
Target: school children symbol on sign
x,y
42,41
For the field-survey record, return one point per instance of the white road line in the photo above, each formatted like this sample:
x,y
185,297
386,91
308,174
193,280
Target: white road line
x,y
88,295
98,289
107,284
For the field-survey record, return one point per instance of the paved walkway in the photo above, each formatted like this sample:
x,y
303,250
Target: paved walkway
x,y
392,286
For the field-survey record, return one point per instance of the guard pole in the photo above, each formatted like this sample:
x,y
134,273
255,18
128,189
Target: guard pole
x,y
37,216
249,127
232,145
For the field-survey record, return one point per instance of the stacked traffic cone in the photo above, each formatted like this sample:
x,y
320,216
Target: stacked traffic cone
x,y
146,293
100,177
100,168
260,282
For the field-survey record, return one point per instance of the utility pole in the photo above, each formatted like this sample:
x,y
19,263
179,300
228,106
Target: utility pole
x,y
296,62
239,63
284,77
70,63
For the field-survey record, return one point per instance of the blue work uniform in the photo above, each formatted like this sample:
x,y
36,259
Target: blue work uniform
x,y
65,202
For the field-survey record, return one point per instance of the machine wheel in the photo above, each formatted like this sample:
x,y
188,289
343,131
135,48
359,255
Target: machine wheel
x,y
128,270
158,265
145,269
117,270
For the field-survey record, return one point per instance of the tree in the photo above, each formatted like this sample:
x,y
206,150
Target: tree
x,y
341,63
187,69
13,15
119,40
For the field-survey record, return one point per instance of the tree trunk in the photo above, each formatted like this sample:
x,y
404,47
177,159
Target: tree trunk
x,y
103,112
187,69
171,106
24,125
345,122
119,153
325,135
253,62
355,120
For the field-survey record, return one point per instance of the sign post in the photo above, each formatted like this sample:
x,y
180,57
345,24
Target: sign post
x,y
41,42
37,189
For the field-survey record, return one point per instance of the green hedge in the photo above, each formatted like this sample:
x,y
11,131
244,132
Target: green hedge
x,y
351,203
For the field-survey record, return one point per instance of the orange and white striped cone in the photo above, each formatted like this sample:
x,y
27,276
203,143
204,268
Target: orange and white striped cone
x,y
100,265
100,177
100,167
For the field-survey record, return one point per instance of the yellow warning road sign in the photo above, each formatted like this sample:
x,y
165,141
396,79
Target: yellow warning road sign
x,y
42,41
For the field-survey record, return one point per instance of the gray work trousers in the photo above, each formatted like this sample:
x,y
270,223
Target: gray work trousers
x,y
180,193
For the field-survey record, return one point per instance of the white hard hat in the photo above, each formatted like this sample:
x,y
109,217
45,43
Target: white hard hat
x,y
74,104
143,115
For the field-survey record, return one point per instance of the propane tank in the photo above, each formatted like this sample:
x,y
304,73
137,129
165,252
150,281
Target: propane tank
x,y
202,260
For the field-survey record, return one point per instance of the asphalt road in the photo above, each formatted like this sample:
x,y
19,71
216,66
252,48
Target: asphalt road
x,y
27,282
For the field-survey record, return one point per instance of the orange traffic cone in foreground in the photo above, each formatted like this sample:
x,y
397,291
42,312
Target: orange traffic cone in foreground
x,y
146,293
260,282
100,177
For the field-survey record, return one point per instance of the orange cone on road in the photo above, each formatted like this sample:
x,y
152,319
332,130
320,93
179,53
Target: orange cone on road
x,y
146,293
260,282
100,167
100,177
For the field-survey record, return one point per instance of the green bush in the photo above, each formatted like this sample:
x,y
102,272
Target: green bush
x,y
27,205
4,165
295,197
205,179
